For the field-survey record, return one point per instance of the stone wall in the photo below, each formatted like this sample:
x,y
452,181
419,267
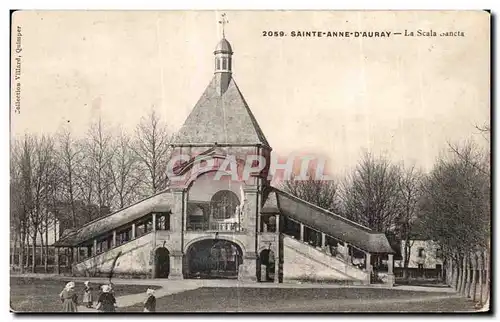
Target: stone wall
x,y
134,260
303,262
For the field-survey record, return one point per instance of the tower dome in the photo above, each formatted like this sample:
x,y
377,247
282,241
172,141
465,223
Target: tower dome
x,y
223,47
223,57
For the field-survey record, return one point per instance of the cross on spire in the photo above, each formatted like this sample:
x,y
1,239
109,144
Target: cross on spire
x,y
223,21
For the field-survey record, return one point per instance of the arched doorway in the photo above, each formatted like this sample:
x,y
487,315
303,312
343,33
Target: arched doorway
x,y
213,259
267,259
162,263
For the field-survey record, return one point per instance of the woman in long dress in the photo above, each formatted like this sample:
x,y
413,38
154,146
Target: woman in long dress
x,y
69,298
150,302
106,301
87,294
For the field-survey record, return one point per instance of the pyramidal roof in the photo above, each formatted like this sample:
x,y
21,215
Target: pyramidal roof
x,y
221,116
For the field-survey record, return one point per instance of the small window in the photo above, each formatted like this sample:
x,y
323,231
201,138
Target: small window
x,y
162,221
420,252
224,63
217,64
229,63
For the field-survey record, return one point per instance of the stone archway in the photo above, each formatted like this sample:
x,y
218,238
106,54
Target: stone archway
x,y
162,263
213,259
267,259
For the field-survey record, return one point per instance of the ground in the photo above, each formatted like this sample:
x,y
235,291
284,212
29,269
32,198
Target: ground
x,y
306,300
42,295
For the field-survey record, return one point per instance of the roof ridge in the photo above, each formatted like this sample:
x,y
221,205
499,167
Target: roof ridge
x,y
221,117
256,125
326,211
76,230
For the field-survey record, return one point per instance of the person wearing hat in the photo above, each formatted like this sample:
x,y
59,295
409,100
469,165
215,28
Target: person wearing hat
x,y
87,294
69,298
150,302
106,301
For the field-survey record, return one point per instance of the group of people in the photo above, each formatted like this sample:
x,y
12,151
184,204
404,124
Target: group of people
x,y
106,301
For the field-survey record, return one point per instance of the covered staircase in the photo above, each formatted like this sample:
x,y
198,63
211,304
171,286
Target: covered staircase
x,y
318,245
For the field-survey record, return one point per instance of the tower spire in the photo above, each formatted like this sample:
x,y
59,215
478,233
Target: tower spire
x,y
223,59
223,21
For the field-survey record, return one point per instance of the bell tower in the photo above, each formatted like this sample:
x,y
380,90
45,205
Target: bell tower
x,y
223,52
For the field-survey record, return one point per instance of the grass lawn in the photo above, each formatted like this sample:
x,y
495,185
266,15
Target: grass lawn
x,y
303,300
42,295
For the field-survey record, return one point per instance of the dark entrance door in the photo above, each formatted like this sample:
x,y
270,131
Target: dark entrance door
x,y
214,258
267,258
162,263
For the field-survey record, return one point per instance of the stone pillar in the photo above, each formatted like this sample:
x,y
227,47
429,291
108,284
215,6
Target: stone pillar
x,y
277,252
247,272
176,266
56,259
301,232
323,240
368,267
390,270
113,241
251,220
94,250
154,221
177,220
184,212
133,231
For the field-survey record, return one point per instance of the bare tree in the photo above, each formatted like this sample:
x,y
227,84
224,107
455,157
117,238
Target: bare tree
x,y
409,190
456,206
19,204
322,193
38,157
370,193
152,147
96,179
69,154
124,170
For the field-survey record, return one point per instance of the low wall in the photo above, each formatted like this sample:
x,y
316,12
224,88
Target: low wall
x,y
303,262
134,260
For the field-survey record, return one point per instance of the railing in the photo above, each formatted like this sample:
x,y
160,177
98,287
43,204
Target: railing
x,y
332,252
214,226
85,258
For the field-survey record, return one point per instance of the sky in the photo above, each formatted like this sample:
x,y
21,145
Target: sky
x,y
401,97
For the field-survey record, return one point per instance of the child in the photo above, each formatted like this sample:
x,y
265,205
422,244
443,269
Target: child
x,y
87,294
69,298
150,302
106,301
